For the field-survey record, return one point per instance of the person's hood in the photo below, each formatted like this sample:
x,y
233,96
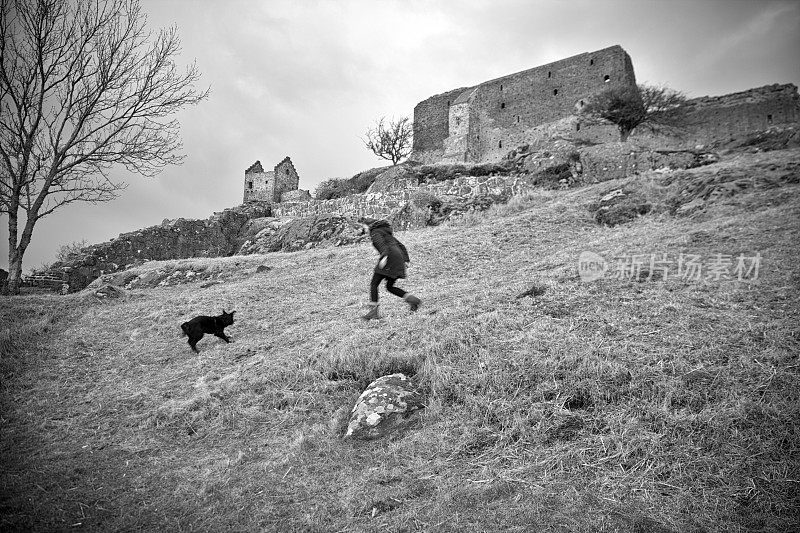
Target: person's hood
x,y
380,224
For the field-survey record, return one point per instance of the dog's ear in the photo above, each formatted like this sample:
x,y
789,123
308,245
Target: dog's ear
x,y
223,312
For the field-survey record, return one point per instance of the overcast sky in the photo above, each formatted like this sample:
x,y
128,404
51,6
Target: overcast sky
x,y
306,79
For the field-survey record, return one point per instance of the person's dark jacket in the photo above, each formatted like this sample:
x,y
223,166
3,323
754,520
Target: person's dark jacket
x,y
397,256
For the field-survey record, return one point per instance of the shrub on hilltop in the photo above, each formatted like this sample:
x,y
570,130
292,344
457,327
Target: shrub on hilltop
x,y
341,187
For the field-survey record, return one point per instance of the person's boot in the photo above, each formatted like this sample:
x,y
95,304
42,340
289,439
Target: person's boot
x,y
373,311
413,301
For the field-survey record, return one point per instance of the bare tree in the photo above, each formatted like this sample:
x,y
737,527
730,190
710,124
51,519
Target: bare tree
x,y
65,251
84,87
630,107
390,139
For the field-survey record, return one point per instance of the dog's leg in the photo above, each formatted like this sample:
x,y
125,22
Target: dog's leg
x,y
193,340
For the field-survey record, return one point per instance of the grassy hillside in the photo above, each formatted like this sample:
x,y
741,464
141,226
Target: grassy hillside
x,y
654,405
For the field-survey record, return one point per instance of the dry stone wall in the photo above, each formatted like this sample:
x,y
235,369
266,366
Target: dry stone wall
x,y
385,204
219,235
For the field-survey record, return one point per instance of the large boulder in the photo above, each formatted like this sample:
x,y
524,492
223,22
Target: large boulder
x,y
389,403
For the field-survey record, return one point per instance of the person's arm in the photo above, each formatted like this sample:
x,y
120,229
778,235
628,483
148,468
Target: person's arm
x,y
379,241
405,252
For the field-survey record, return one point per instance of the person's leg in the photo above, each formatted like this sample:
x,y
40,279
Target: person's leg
x,y
373,287
397,291
412,300
373,297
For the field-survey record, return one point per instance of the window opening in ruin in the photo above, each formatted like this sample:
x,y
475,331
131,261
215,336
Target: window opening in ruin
x,y
501,86
503,105
578,126
500,144
606,78
249,184
582,104
448,102
769,119
591,61
518,119
549,74
555,92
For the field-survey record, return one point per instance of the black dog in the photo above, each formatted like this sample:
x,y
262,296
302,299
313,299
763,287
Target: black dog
x,y
199,325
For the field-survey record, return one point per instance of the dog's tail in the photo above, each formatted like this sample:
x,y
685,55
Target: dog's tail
x,y
183,327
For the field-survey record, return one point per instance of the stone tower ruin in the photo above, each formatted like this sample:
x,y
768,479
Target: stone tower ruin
x,y
272,185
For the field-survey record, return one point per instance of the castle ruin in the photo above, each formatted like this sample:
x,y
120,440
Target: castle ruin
x,y
275,186
483,123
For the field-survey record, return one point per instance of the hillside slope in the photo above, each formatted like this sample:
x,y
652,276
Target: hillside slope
x,y
661,404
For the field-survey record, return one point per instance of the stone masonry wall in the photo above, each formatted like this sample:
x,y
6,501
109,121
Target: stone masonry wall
x,y
505,112
216,236
258,185
722,118
511,106
431,125
286,179
382,205
298,195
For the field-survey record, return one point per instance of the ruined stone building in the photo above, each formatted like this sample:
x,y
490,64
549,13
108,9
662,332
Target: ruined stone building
x,y
712,118
277,185
484,122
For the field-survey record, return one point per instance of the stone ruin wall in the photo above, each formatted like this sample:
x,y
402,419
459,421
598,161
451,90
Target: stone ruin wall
x,y
258,184
724,118
483,123
432,126
510,108
182,238
298,195
286,179
384,204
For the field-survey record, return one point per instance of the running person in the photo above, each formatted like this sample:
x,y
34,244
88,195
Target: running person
x,y
391,265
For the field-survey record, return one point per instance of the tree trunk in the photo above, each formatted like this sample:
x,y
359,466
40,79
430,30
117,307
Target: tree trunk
x,y
16,250
624,133
14,271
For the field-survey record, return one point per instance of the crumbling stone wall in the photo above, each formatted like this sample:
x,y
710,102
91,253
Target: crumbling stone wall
x,y
723,118
257,183
384,204
497,115
286,179
432,126
219,235
295,196
482,123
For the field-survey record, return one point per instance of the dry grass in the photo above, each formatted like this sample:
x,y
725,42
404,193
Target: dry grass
x,y
607,406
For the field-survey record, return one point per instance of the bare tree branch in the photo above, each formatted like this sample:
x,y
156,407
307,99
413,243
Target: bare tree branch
x,y
390,140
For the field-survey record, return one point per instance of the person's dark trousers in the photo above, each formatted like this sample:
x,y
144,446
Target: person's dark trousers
x,y
376,280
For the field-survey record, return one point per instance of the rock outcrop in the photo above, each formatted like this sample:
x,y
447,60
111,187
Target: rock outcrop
x,y
387,405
